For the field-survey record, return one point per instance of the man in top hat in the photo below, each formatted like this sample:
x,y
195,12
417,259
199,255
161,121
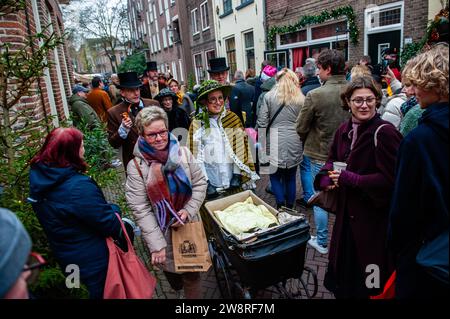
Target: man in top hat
x,y
218,70
218,140
121,130
150,89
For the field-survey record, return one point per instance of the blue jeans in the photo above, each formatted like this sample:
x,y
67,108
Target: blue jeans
x,y
283,183
320,215
306,178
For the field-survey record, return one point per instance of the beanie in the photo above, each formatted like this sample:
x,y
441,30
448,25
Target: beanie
x,y
270,70
15,246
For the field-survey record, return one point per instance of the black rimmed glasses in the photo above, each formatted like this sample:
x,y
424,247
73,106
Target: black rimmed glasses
x,y
152,136
359,101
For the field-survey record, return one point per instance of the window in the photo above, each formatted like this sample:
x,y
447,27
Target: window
x,y
328,30
160,7
150,8
249,50
227,6
180,63
277,58
158,42
176,31
166,4
209,55
154,11
172,2
174,70
230,47
204,15
199,70
293,37
385,17
164,36
194,21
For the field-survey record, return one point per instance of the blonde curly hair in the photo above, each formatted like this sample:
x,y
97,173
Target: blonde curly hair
x,y
429,70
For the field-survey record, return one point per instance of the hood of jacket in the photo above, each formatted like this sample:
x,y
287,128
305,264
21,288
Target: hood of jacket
x,y
74,98
436,116
44,178
268,84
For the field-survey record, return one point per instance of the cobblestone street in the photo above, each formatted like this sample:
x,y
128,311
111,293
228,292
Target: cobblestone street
x,y
314,260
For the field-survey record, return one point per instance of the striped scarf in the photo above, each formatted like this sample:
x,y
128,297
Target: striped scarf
x,y
168,188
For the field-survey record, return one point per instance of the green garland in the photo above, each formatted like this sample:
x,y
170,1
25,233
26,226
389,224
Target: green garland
x,y
321,18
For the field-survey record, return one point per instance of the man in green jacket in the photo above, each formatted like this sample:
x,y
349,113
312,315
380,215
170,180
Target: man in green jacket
x,y
81,110
319,118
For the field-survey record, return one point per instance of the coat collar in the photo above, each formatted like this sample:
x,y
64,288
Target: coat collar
x,y
336,79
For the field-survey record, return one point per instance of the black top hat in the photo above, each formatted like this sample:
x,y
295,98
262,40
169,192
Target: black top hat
x,y
218,65
128,80
151,66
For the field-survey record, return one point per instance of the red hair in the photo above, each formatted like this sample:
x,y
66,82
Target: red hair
x,y
62,149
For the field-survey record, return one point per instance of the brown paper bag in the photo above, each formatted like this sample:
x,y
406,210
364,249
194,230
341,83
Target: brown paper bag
x,y
190,248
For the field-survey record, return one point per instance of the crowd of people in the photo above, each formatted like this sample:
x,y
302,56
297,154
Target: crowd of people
x,y
388,125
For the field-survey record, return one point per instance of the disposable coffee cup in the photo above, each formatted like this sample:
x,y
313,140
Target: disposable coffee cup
x,y
339,166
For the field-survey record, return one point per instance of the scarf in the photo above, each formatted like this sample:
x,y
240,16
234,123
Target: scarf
x,y
168,188
180,97
353,134
409,104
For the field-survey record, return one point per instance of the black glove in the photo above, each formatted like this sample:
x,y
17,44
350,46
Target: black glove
x,y
236,181
211,191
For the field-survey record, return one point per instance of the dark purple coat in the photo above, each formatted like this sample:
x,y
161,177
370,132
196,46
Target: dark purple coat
x,y
364,191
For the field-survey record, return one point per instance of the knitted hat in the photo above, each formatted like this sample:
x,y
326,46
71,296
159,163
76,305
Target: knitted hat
x,y
15,246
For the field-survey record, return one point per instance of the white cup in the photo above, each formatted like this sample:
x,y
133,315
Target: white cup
x,y
339,166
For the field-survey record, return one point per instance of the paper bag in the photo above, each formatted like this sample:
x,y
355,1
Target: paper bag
x,y
190,248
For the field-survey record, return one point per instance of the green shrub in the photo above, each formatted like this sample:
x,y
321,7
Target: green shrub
x,y
134,62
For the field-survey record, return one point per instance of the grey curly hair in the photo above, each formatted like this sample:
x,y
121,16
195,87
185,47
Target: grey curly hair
x,y
148,115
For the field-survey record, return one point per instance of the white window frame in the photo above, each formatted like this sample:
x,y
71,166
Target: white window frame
x,y
309,41
206,60
154,11
393,27
164,37
150,10
245,48
180,63
172,2
204,5
194,23
166,4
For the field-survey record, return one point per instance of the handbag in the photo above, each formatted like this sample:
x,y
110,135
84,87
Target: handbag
x,y
127,276
327,200
433,257
190,248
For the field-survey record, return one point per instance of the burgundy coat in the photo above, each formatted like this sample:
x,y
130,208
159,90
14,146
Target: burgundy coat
x,y
364,191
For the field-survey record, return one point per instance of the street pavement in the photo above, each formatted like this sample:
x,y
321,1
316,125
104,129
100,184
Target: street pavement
x,y
314,260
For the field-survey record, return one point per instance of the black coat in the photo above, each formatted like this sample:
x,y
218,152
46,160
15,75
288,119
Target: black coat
x,y
310,84
241,99
420,203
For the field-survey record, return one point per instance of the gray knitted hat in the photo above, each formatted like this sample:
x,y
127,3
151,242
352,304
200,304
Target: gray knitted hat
x,y
15,246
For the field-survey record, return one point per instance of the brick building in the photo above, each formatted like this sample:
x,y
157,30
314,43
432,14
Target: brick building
x,y
201,35
381,24
160,29
49,94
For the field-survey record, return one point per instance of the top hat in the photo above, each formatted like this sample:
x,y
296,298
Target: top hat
x,y
128,80
218,65
151,66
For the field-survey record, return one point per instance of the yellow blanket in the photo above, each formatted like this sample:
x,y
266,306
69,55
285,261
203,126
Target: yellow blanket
x,y
246,217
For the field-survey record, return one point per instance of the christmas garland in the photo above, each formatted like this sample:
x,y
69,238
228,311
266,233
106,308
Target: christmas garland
x,y
346,11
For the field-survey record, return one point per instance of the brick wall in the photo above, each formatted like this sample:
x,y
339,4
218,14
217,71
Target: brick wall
x,y
284,12
14,29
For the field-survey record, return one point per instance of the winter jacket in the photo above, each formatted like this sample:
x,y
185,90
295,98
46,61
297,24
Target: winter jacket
x,y
99,100
392,112
411,119
320,117
420,202
75,217
283,146
311,83
138,202
82,111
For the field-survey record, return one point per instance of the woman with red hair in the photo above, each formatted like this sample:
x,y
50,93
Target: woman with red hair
x,y
71,208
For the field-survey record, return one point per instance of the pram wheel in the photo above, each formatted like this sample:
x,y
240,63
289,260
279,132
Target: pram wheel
x,y
221,271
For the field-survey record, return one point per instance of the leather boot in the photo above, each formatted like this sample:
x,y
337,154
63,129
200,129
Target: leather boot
x,y
236,181
211,191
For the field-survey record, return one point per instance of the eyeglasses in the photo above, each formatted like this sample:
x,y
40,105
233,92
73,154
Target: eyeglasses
x,y
152,136
359,101
215,100
34,264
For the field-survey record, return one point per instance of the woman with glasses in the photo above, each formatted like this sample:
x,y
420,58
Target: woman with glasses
x,y
72,209
368,145
165,188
